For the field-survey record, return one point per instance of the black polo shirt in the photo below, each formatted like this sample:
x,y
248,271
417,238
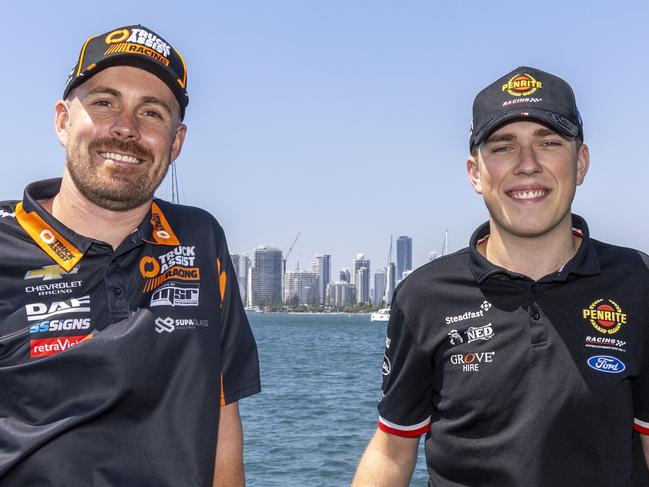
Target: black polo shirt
x,y
114,363
519,382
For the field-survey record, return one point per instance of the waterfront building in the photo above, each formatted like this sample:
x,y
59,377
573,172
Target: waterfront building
x,y
432,256
345,276
266,277
357,263
323,262
241,264
301,287
379,286
363,285
390,283
340,294
404,255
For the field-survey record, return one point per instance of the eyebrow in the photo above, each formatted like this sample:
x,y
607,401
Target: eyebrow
x,y
508,137
99,90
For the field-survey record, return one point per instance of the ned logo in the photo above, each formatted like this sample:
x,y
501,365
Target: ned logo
x,y
50,272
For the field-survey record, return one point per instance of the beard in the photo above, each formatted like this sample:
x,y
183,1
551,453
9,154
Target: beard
x,y
112,186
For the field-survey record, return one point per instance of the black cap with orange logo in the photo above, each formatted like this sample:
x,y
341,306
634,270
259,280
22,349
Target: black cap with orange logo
x,y
525,93
137,46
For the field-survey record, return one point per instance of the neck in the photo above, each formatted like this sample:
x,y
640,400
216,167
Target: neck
x,y
534,257
72,209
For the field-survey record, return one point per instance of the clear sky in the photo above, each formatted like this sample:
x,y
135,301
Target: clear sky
x,y
348,120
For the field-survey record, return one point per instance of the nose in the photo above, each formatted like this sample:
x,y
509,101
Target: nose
x,y
528,162
125,126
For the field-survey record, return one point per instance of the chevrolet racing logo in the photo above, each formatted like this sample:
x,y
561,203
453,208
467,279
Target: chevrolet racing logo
x,y
49,272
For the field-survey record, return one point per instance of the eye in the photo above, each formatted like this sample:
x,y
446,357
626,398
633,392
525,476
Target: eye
x,y
500,149
152,113
552,143
102,103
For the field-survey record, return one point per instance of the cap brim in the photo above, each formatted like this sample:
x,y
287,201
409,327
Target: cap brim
x,y
553,120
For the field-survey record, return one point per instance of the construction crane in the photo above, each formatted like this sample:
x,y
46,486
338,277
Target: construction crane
x,y
290,249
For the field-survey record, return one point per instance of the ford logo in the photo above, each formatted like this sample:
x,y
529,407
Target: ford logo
x,y
604,363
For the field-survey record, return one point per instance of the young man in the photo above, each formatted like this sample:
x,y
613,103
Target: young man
x,y
524,357
124,346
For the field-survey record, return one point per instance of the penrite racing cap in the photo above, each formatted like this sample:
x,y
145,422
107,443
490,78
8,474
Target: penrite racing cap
x,y
137,46
525,93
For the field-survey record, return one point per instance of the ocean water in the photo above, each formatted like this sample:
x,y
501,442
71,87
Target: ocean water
x,y
321,379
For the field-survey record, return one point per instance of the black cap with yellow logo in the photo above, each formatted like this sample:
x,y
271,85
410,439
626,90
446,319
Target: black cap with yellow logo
x,y
525,93
137,46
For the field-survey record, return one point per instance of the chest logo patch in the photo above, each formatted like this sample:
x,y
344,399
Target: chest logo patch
x,y
605,315
604,363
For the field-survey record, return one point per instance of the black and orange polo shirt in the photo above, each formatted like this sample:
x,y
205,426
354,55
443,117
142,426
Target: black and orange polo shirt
x,y
114,363
519,382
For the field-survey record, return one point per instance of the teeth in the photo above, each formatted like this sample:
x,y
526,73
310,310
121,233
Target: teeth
x,y
119,157
528,195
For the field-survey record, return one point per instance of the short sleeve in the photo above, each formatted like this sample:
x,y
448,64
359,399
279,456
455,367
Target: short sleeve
x,y
641,384
406,396
240,361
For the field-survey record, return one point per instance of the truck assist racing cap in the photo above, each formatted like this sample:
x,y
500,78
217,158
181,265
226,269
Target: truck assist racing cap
x,y
137,46
525,93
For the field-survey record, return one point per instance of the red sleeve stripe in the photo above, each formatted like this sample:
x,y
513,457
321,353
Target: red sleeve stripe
x,y
641,426
407,431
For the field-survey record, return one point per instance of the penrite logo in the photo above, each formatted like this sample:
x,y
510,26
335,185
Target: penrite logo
x,y
49,272
42,311
172,294
522,85
45,347
605,315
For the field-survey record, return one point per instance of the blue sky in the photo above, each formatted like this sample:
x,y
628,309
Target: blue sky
x,y
348,120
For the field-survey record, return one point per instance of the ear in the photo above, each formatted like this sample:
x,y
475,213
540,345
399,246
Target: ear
x,y
62,121
473,172
179,139
583,162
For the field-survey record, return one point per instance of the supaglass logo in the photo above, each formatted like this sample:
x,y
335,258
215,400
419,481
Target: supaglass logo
x,y
604,363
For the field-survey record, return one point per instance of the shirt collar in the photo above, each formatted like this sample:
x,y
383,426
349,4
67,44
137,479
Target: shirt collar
x,y
63,245
585,261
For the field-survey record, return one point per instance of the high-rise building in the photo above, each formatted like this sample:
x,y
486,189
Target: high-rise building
x,y
241,264
390,283
340,294
324,271
345,276
266,277
432,256
301,287
357,263
363,286
379,286
404,255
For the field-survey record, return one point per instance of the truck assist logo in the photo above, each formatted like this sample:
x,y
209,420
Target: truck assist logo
x,y
605,315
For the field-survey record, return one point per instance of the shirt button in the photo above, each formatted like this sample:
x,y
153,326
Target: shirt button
x,y
536,316
117,291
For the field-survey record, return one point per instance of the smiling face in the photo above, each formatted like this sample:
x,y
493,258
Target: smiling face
x,y
527,175
121,130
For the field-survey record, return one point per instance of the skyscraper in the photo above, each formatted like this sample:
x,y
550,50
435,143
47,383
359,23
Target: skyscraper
x,y
241,264
301,287
345,276
404,255
340,294
379,286
361,280
324,271
266,277
390,283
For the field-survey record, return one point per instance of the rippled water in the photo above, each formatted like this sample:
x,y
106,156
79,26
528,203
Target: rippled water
x,y
321,378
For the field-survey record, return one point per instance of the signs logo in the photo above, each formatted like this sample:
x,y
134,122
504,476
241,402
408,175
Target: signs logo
x,y
50,272
45,347
172,294
605,315
522,85
604,363
42,311
58,325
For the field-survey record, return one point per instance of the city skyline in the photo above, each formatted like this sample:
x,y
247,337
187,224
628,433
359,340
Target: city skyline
x,y
347,121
